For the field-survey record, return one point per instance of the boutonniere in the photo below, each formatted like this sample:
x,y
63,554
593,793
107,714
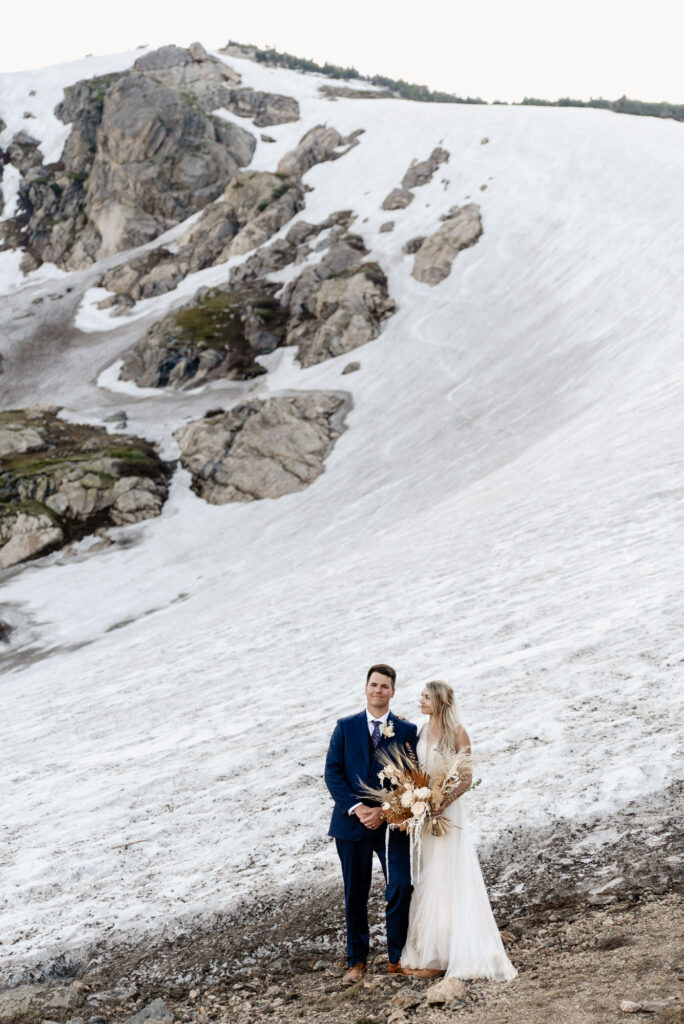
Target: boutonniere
x,y
388,730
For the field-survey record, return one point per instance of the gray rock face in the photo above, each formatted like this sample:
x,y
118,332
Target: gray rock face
x,y
262,449
320,143
397,199
36,1001
264,108
60,481
217,335
421,172
435,256
255,205
144,152
337,305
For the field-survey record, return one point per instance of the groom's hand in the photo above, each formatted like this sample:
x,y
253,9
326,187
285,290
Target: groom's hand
x,y
371,817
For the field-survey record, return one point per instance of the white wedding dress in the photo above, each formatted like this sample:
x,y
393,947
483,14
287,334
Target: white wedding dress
x,y
451,925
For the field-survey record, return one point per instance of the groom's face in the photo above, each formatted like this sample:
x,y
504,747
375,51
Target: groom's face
x,y
379,691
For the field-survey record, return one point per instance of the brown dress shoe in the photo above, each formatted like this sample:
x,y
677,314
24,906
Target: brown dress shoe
x,y
422,972
354,974
394,968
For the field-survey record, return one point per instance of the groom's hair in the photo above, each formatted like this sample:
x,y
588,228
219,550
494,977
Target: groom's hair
x,y
384,670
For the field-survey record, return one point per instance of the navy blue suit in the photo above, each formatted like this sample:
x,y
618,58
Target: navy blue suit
x,y
351,759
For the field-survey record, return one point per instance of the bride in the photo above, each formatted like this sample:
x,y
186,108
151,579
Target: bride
x,y
451,927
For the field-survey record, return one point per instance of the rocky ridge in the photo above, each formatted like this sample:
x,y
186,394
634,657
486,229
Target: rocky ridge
x,y
419,173
144,152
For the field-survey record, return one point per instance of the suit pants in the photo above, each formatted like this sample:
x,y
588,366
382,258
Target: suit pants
x,y
356,858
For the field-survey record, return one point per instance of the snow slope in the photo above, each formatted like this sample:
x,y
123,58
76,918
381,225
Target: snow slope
x,y
504,511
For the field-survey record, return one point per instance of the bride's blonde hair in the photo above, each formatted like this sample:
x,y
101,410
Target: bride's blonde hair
x,y
445,711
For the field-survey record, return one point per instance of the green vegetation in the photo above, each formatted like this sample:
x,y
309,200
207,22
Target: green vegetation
x,y
675,111
421,93
407,90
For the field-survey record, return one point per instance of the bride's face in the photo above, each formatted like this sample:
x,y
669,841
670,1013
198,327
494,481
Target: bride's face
x,y
425,703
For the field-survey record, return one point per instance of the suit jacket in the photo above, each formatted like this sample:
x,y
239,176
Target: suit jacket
x,y
349,761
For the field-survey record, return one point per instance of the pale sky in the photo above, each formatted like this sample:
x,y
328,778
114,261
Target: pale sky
x,y
496,50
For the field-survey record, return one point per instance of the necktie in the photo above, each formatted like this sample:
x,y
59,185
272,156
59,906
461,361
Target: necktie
x,y
376,733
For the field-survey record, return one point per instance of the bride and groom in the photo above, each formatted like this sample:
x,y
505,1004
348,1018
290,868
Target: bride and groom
x,y
442,924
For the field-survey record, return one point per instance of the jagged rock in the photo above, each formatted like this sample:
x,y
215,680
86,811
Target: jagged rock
x,y
255,205
398,199
144,152
292,248
266,138
413,245
421,172
197,52
217,335
262,449
336,305
387,226
76,480
264,108
318,145
445,991
434,258
24,152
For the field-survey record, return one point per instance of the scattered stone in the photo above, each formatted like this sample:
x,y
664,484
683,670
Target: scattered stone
x,y
627,1006
398,199
262,449
445,991
407,998
387,226
508,938
483,142
266,138
351,368
601,901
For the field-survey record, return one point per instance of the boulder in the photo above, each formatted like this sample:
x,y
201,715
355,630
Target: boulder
x,y
398,199
445,991
262,449
34,1001
435,256
62,481
387,226
421,171
320,143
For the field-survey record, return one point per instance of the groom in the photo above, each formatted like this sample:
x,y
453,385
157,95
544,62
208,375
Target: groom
x,y
358,827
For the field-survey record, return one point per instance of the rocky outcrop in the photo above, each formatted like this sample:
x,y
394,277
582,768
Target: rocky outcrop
x,y
435,256
217,335
397,199
143,154
320,143
60,481
336,305
419,173
330,308
264,108
254,206
262,449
